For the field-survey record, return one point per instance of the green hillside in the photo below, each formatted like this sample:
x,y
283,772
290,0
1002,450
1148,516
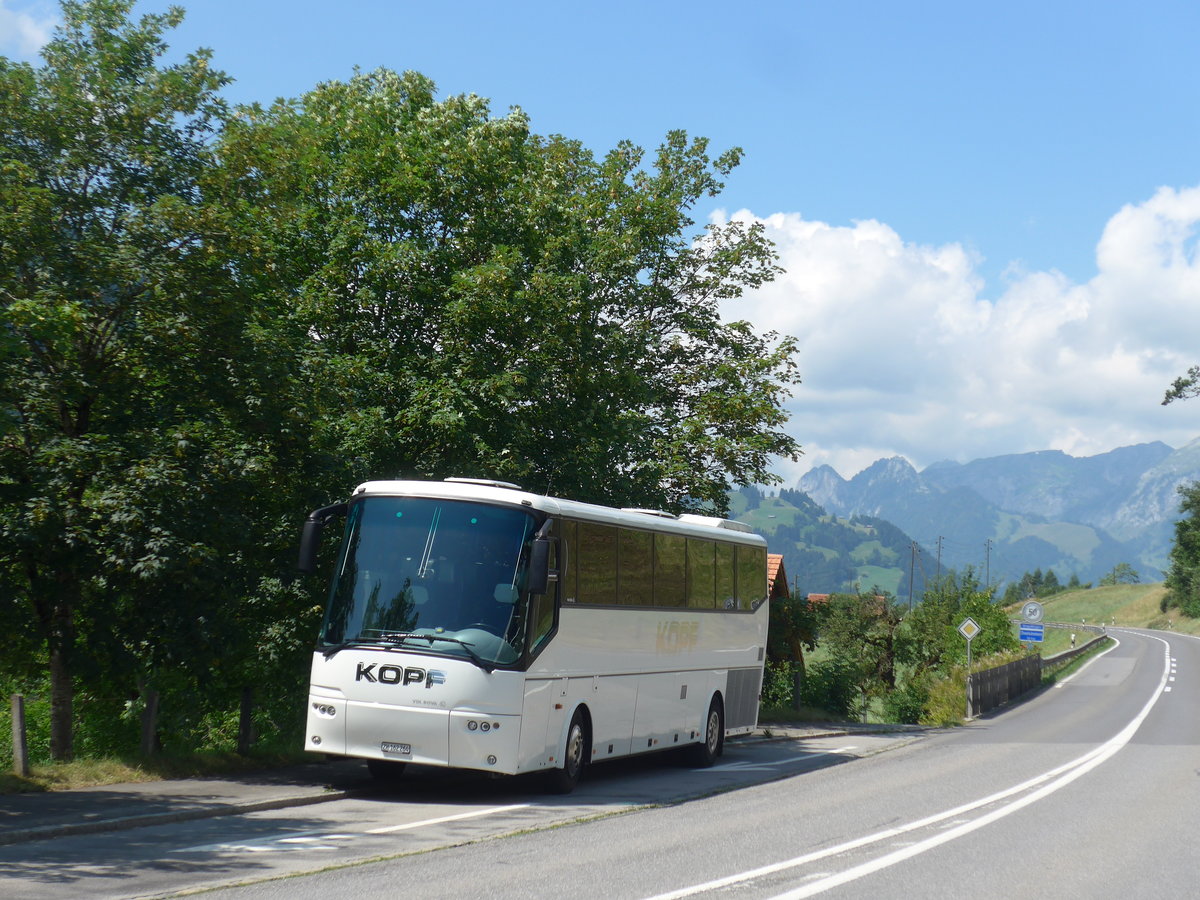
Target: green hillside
x,y
824,553
1131,605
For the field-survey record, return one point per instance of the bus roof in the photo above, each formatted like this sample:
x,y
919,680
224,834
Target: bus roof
x,y
510,495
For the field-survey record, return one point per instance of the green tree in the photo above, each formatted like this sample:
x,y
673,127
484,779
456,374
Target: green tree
x,y
1122,573
137,411
859,631
1184,387
1183,574
486,301
930,640
793,629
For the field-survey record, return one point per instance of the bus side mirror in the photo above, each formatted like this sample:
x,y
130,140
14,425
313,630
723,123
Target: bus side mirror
x,y
310,537
538,578
539,566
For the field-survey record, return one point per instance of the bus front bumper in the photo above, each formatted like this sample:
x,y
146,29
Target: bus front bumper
x,y
433,737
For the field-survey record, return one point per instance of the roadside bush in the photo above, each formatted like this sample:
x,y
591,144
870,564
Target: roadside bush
x,y
777,684
832,685
947,701
907,703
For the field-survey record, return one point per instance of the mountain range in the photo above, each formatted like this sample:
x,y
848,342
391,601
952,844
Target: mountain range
x,y
1003,515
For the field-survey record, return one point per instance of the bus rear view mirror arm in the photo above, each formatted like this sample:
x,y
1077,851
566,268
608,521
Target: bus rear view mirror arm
x,y
310,538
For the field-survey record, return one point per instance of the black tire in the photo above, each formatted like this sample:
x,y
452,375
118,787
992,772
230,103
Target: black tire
x,y
575,757
385,771
712,743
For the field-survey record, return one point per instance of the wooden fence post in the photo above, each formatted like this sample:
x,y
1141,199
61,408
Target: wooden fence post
x,y
19,736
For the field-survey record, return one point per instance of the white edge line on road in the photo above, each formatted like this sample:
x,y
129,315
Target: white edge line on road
x,y
1070,771
438,821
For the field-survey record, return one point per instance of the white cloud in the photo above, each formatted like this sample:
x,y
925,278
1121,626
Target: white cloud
x,y
26,30
903,354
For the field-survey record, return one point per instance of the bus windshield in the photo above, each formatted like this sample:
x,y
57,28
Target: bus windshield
x,y
440,576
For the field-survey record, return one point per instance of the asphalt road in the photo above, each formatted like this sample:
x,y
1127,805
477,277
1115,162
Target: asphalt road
x,y
1088,789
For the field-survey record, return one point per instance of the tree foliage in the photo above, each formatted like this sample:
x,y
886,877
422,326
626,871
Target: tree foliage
x,y
931,641
860,631
1121,573
793,629
1037,584
215,320
1184,387
1183,575
122,366
486,300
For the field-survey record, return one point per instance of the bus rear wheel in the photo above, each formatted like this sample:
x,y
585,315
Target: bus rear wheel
x,y
705,753
575,758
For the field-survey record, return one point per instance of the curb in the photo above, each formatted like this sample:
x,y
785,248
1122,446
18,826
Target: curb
x,y
45,832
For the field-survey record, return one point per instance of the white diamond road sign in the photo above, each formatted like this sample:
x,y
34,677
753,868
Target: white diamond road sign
x,y
969,628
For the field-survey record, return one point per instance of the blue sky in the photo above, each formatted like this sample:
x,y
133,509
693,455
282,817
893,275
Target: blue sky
x,y
987,211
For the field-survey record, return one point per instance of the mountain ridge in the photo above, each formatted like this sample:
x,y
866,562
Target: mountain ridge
x,y
1044,509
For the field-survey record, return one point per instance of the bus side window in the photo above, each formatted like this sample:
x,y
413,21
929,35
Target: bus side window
x,y
635,568
726,586
701,574
752,576
670,569
597,564
568,562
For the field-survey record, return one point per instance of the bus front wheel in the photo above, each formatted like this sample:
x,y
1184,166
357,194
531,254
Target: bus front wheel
x,y
705,753
575,758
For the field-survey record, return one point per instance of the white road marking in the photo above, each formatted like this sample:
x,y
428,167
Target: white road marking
x,y
748,766
276,843
455,818
1045,784
315,840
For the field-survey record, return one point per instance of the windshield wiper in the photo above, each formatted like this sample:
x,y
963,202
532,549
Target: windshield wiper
x,y
394,637
425,636
330,650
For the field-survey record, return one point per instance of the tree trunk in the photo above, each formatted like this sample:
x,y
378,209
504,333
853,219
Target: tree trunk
x,y
62,703
62,688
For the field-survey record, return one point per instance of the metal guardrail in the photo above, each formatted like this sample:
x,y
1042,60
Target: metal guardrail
x,y
1066,655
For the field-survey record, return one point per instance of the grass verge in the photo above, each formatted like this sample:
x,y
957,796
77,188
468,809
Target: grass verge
x,y
80,773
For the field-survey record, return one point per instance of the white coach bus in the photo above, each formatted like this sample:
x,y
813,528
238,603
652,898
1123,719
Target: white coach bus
x,y
474,625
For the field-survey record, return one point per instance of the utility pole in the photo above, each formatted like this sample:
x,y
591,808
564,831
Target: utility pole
x,y
939,558
912,567
987,565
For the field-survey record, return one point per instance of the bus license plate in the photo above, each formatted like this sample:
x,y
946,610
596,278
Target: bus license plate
x,y
389,747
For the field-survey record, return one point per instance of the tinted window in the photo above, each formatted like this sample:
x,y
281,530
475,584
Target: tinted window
x,y
670,568
568,562
726,589
597,564
637,568
701,574
752,576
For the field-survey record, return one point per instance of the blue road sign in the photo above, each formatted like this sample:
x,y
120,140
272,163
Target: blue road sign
x,y
1030,633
